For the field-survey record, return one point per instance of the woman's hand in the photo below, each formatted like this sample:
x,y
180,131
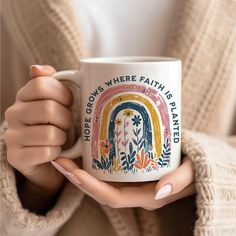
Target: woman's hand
x,y
37,124
150,196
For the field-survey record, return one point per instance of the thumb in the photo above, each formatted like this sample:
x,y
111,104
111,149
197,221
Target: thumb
x,y
176,180
38,70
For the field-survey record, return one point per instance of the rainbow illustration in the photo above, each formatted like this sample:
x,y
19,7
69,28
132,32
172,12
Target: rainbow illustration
x,y
131,130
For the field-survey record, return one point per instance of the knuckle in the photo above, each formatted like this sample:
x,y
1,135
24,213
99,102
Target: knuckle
x,y
19,92
54,135
50,133
40,85
49,108
49,153
11,158
46,152
9,113
8,136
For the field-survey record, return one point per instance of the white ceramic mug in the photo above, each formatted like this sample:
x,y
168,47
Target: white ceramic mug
x,y
130,119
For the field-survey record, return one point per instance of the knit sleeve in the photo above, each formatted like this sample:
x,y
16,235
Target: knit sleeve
x,y
215,178
42,30
15,220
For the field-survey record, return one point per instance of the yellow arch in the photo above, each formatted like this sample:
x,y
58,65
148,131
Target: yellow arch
x,y
134,97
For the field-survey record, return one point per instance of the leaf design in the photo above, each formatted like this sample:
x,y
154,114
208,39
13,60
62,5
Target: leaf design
x,y
165,156
142,144
139,130
97,163
108,165
130,147
124,143
104,164
124,163
142,161
134,141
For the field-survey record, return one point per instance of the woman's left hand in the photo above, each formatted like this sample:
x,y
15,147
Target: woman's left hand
x,y
150,195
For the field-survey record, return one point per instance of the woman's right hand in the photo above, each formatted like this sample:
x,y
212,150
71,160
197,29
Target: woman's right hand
x,y
37,124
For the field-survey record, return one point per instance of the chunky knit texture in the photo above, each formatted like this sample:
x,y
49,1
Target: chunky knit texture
x,y
205,39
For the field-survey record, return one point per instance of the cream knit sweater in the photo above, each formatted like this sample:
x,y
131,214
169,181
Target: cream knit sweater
x,y
204,38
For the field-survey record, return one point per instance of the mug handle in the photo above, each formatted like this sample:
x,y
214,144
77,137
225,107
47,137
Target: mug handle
x,y
74,77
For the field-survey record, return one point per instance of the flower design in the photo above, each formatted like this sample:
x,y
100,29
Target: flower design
x,y
118,122
128,113
142,161
136,120
105,146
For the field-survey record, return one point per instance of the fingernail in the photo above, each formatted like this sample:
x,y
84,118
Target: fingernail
x,y
59,168
163,192
38,67
73,178
67,174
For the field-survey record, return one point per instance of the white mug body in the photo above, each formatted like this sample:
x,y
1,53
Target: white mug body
x,y
130,117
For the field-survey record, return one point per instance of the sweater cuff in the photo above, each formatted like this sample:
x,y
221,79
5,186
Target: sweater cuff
x,y
15,220
215,180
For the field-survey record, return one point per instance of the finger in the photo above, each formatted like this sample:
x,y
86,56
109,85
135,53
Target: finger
x,y
186,192
153,204
175,181
104,192
23,158
39,112
71,177
46,88
38,135
142,196
41,70
97,189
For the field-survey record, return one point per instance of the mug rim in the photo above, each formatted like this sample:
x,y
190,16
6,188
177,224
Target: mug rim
x,y
129,60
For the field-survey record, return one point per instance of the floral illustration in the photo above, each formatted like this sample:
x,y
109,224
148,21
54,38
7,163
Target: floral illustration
x,y
105,146
142,160
128,113
131,130
118,122
129,146
136,120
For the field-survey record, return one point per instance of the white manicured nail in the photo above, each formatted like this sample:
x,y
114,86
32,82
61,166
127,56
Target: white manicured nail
x,y
73,179
163,191
67,174
59,167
